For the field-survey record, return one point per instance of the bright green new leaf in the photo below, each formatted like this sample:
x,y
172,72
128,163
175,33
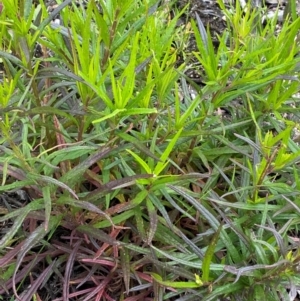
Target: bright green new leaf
x,y
175,284
164,157
108,116
142,163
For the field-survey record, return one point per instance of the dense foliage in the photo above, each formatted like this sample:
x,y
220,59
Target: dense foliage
x,y
123,179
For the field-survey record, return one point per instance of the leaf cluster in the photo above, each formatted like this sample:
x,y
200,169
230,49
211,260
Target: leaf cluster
x,y
136,188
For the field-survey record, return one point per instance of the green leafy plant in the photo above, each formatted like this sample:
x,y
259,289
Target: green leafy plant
x,y
118,183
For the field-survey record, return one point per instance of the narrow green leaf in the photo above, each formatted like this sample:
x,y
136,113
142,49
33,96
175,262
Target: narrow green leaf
x,y
85,205
249,270
211,219
138,145
48,205
6,239
125,263
115,184
164,233
108,116
48,110
139,111
49,180
128,77
175,284
153,221
140,223
250,142
202,32
11,58
118,219
141,162
209,255
161,165
186,261
188,113
16,185
69,153
101,24
136,201
206,213
223,290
